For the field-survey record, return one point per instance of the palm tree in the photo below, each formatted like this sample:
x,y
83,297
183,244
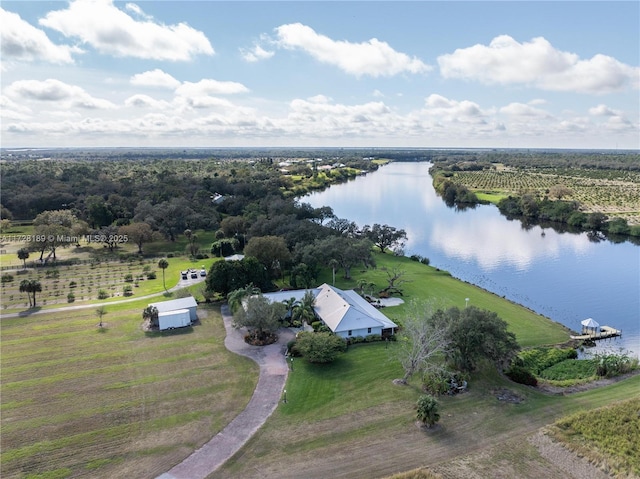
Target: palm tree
x,y
151,313
36,288
333,264
290,304
101,311
23,254
163,264
25,287
304,311
235,298
427,410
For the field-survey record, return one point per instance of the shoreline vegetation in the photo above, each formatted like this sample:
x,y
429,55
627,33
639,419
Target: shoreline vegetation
x,y
112,400
598,194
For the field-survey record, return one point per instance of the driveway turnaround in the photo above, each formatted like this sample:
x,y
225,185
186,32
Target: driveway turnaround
x,y
265,399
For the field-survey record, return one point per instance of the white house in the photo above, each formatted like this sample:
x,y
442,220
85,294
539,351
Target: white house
x,y
189,303
346,313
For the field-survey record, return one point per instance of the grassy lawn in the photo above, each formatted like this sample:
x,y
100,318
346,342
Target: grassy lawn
x,y
347,419
425,282
78,401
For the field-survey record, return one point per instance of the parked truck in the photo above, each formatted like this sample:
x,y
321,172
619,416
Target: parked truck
x,y
178,318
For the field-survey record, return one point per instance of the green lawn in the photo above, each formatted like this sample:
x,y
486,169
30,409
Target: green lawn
x,y
81,401
426,282
347,419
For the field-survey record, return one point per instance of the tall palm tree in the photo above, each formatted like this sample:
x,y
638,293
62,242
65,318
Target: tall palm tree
x,y
23,254
25,287
36,287
290,304
304,310
163,264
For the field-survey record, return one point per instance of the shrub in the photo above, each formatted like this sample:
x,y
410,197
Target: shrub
x,y
522,376
71,298
427,410
538,359
102,294
372,338
316,325
128,278
127,290
320,347
7,278
570,369
291,348
72,284
151,275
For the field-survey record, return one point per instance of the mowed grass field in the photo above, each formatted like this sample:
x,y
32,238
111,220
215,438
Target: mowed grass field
x,y
425,283
348,420
78,401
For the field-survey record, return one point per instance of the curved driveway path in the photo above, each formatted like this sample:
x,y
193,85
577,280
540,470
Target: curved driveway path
x,y
265,399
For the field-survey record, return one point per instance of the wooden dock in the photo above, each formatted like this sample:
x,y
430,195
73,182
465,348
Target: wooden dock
x,y
604,333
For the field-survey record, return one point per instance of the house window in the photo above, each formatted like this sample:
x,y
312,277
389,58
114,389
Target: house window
x,y
369,330
350,332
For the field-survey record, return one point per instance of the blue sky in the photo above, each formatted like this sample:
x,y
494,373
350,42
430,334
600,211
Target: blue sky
x,y
405,74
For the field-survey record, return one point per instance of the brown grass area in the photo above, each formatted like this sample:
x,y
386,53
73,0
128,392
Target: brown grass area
x,y
116,402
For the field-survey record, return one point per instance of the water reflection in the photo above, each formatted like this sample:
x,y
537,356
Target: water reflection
x,y
565,276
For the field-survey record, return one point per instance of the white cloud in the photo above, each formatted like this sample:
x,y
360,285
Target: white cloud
x,y
523,110
256,54
445,109
52,90
210,87
22,41
374,57
155,78
603,110
145,101
111,31
537,63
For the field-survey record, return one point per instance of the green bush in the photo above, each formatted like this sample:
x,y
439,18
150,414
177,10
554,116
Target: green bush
x,y
570,369
427,410
537,360
127,290
71,298
151,275
102,294
72,284
7,278
522,376
320,347
128,278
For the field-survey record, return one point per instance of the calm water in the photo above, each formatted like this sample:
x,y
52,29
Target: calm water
x,y
563,276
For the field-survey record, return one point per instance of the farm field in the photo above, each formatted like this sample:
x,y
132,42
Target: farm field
x,y
94,276
81,401
615,193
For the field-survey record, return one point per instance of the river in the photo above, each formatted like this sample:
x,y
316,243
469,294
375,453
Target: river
x,y
564,276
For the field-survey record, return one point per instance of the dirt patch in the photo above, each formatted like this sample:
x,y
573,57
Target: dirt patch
x,y
565,460
508,396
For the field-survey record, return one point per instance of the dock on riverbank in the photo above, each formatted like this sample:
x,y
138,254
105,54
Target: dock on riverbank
x,y
604,333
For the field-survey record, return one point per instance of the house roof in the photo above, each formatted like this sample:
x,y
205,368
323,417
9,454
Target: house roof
x,y
234,257
347,310
172,305
340,310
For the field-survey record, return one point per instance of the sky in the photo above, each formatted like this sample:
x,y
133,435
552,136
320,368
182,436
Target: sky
x,y
502,74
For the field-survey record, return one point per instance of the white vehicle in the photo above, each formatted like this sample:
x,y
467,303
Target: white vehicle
x,y
178,318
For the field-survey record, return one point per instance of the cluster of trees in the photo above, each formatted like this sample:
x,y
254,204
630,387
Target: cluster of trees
x,y
436,340
303,246
531,208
